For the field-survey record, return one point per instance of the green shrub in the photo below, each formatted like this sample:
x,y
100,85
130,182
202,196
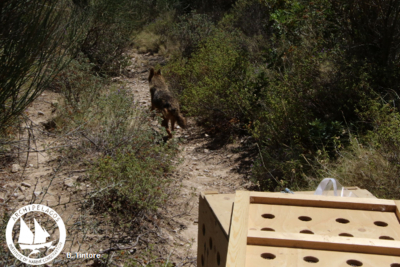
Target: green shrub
x,y
213,83
191,30
133,180
371,161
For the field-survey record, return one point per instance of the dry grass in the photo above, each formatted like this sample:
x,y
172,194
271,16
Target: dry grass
x,y
365,167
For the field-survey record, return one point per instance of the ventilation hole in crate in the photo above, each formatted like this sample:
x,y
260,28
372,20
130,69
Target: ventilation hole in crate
x,y
204,229
307,232
218,259
202,260
381,224
268,256
311,259
341,220
346,234
210,243
354,263
305,218
268,216
268,229
395,265
385,237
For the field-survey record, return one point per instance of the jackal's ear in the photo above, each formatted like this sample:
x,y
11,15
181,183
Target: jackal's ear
x,y
159,72
151,74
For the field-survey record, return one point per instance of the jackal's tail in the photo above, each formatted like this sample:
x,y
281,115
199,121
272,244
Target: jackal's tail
x,y
181,120
178,116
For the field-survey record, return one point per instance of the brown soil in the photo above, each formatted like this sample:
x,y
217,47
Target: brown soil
x,y
207,164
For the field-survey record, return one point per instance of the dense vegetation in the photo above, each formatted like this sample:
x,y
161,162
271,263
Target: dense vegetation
x,y
314,83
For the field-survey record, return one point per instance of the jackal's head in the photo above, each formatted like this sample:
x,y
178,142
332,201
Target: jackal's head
x,y
153,73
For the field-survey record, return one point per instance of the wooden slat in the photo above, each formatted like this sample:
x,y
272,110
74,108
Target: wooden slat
x,y
322,242
323,201
322,221
288,257
397,202
238,232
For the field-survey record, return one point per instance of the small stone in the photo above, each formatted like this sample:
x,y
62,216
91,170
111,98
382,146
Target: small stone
x,y
178,127
40,113
25,184
37,193
170,238
30,165
69,182
15,168
54,103
21,198
206,150
1,200
206,135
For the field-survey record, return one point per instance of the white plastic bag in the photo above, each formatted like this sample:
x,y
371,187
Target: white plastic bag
x,y
331,187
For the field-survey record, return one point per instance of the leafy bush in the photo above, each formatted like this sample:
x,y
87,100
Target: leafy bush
x,y
371,161
133,180
213,83
191,30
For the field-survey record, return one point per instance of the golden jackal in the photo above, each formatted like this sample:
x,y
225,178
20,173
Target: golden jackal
x,y
163,100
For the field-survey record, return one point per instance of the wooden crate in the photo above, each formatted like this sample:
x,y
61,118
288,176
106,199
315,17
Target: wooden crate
x,y
215,212
270,229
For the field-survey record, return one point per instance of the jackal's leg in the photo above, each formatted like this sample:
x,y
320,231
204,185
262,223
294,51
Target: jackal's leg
x,y
169,133
173,120
164,123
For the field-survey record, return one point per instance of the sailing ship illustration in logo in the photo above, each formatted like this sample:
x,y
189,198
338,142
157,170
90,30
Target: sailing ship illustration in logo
x,y
28,240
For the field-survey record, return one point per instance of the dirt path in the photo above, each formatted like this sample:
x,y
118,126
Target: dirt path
x,y
206,164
